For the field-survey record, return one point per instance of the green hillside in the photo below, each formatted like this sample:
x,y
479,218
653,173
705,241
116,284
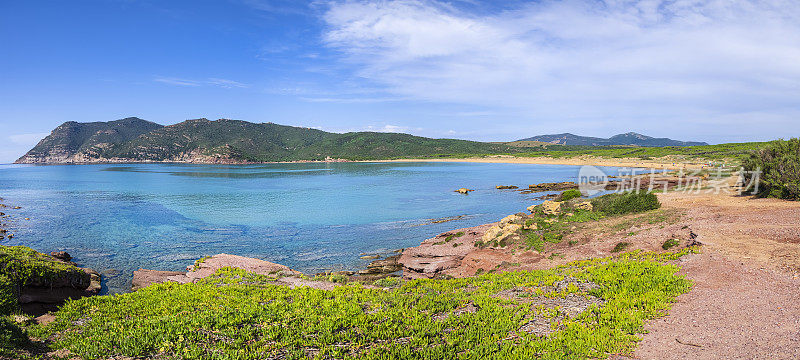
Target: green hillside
x,y
203,140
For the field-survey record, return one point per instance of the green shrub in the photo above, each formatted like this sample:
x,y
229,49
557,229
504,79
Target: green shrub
x,y
626,203
8,296
621,246
779,163
570,194
669,244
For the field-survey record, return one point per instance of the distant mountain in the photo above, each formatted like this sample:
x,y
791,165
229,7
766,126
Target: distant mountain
x,y
233,141
631,138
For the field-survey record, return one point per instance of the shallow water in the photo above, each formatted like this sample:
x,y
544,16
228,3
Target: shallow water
x,y
311,217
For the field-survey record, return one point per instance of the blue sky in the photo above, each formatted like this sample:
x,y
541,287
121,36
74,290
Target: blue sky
x,y
707,70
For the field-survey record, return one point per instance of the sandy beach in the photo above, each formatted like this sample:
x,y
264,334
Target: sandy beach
x,y
583,160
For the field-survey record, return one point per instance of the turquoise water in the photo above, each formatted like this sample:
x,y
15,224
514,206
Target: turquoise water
x,y
311,217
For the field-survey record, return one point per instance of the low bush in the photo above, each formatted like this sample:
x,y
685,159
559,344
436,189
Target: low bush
x,y
779,165
626,203
570,194
621,246
669,244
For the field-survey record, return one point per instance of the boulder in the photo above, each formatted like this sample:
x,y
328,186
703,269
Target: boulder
x,y
510,219
586,205
385,266
551,207
492,233
61,255
464,191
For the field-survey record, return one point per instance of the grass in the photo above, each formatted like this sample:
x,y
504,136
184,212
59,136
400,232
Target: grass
x,y
239,315
659,216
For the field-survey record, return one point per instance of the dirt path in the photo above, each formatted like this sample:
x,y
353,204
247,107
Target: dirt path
x,y
746,299
735,311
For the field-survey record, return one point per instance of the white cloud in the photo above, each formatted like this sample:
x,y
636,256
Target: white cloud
x,y
620,62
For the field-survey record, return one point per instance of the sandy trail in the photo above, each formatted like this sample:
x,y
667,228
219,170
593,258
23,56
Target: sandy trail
x,y
746,300
734,311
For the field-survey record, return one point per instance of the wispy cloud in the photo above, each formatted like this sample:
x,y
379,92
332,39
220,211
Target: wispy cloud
x,y
223,83
663,62
279,6
352,100
27,139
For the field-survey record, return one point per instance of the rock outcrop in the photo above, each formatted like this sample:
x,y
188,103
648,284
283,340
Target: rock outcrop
x,y
53,284
208,266
551,207
557,186
435,256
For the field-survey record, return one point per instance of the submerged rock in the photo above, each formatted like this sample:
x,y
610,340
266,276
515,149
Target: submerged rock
x,y
464,191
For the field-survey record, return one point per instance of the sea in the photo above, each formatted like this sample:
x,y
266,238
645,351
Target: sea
x,y
312,217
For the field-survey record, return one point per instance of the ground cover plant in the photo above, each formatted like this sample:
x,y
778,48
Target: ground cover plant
x,y
585,309
779,164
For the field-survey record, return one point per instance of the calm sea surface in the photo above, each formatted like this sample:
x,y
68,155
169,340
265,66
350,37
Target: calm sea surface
x,y
311,217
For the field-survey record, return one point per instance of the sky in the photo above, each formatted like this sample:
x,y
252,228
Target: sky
x,y
706,70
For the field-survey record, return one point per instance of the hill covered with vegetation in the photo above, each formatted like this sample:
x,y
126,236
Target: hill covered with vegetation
x,y
629,139
224,140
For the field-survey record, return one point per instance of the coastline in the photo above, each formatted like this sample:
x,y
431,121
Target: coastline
x,y
495,159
